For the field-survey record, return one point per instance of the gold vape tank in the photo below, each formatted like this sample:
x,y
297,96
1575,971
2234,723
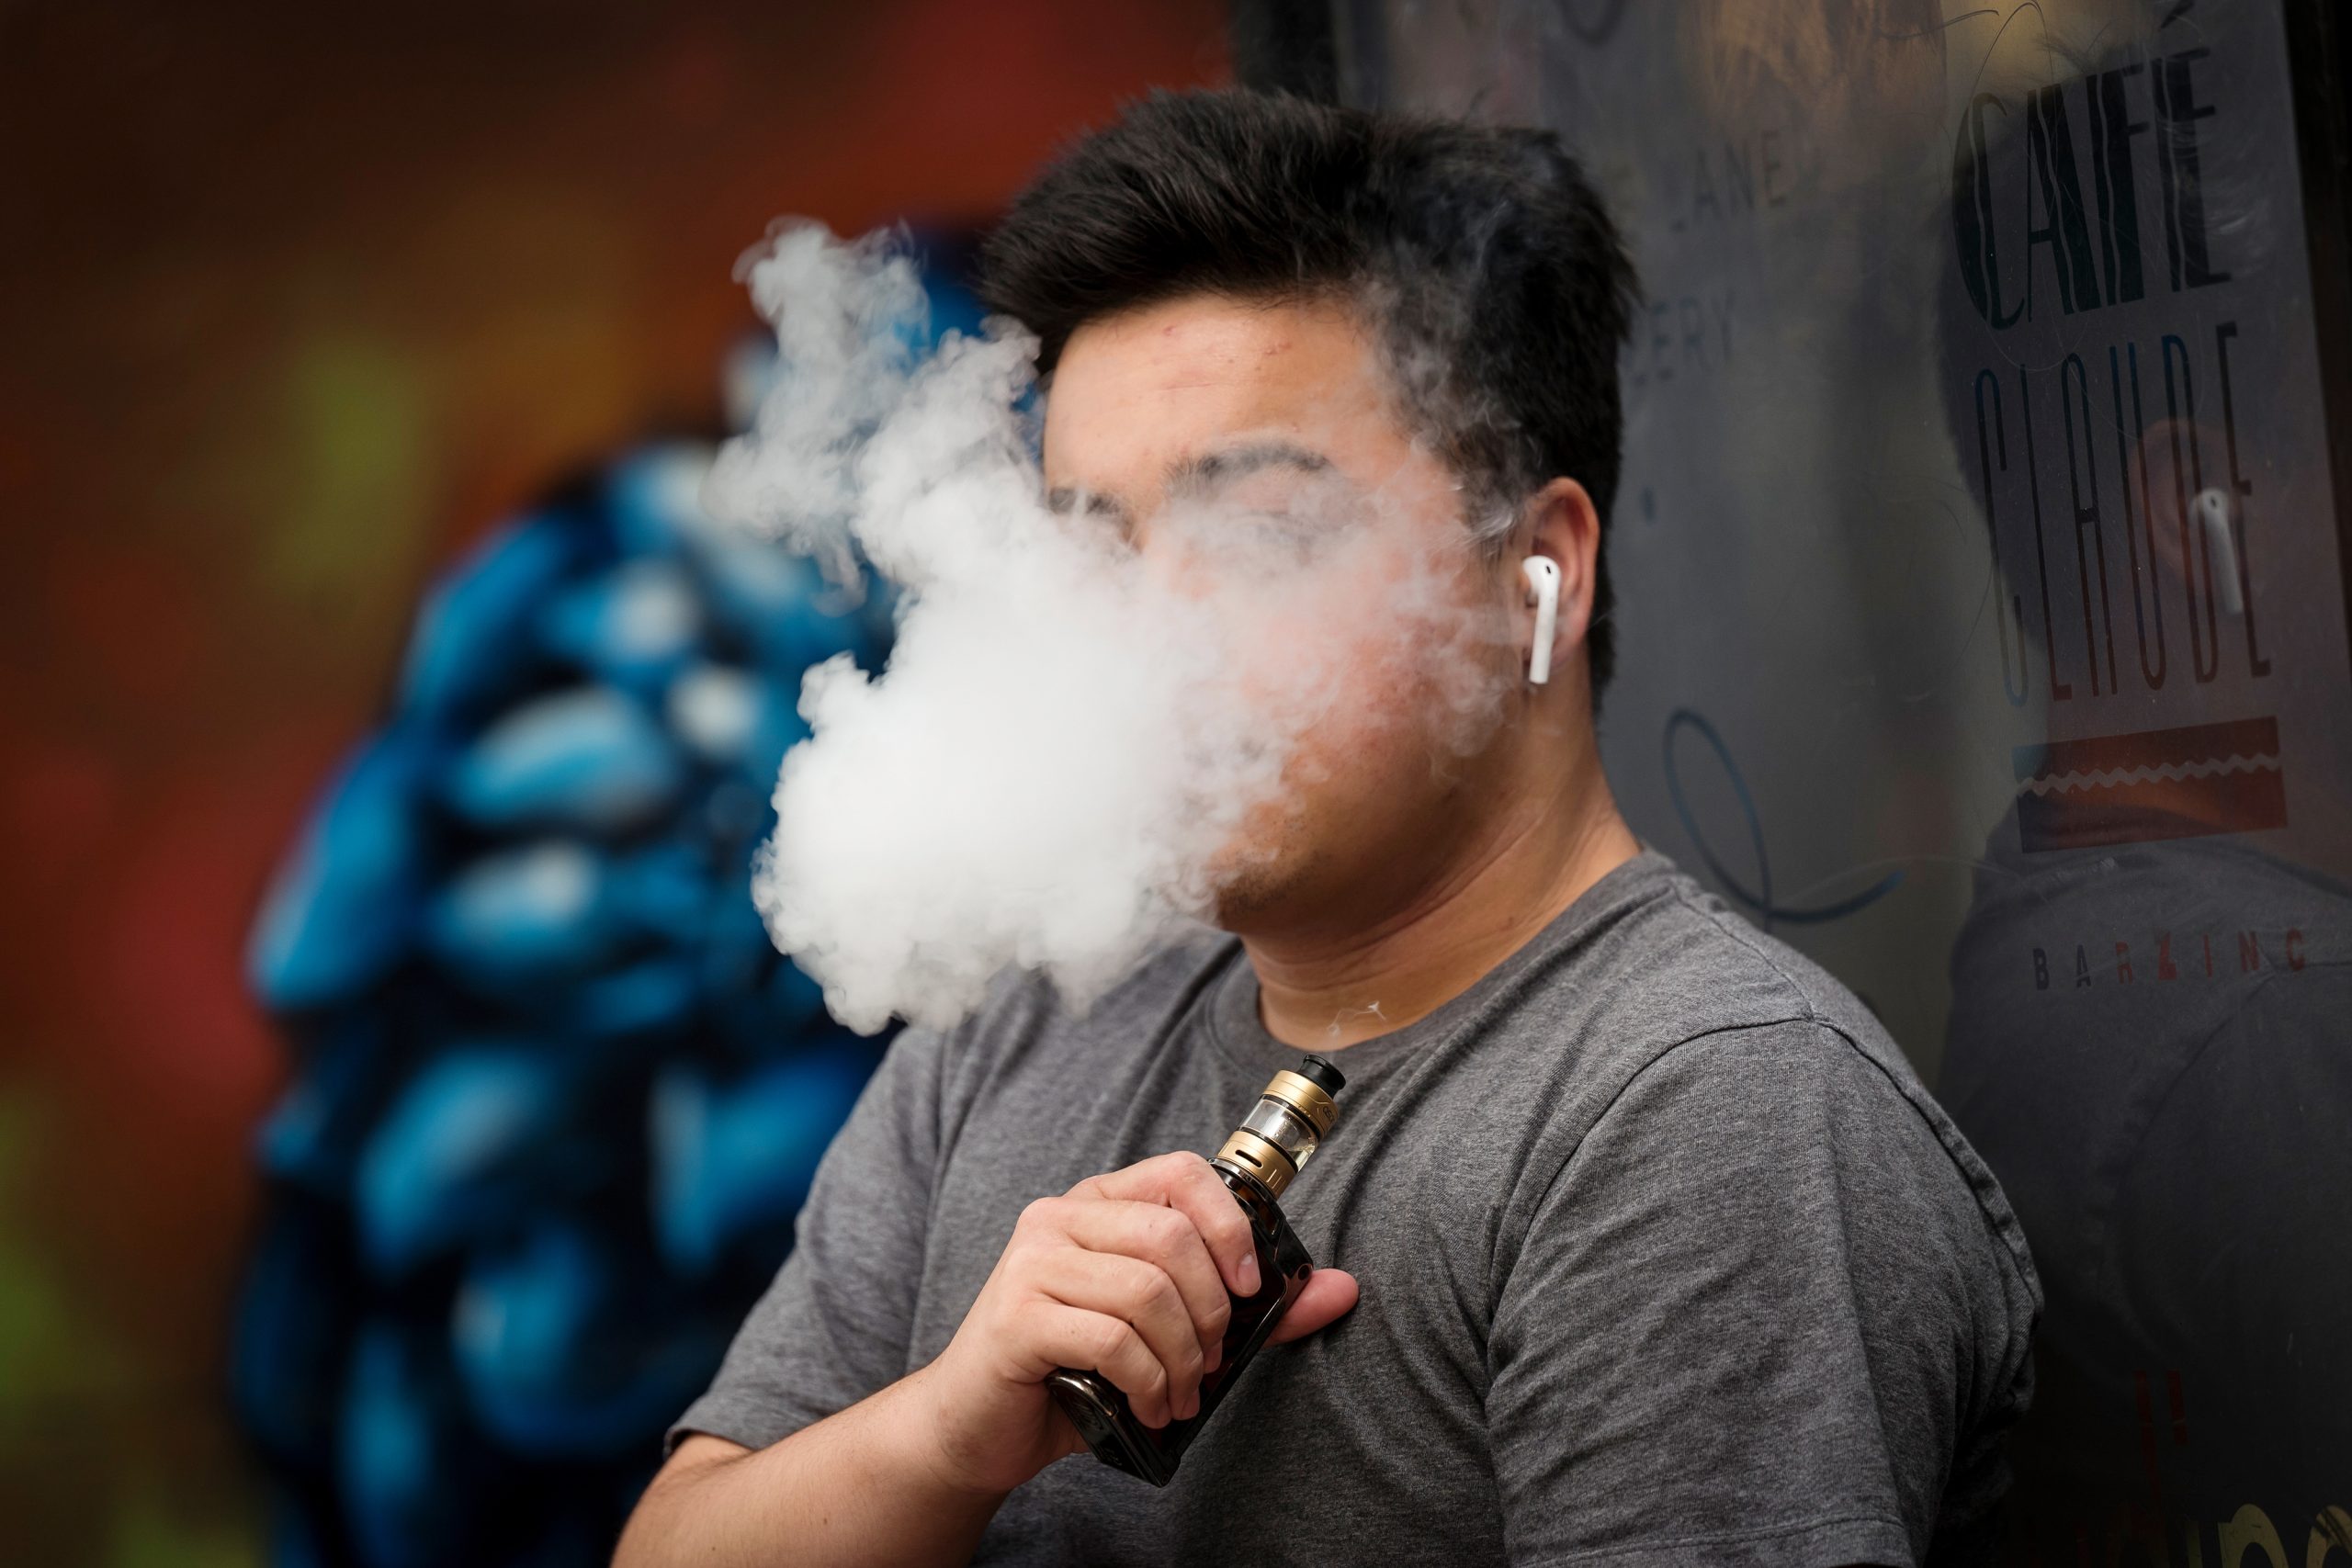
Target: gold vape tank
x,y
1296,1113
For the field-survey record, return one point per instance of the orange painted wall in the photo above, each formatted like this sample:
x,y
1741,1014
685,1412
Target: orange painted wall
x,y
296,300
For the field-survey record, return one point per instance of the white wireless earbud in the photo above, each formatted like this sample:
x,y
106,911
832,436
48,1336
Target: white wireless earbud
x,y
2213,509
1542,575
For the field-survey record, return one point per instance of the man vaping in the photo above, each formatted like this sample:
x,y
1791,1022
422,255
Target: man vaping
x,y
1645,1243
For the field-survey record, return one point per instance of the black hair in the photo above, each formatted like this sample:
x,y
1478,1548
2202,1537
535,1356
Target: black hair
x,y
1481,257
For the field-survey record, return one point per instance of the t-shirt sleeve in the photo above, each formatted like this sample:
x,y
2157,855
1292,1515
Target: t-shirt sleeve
x,y
1733,1330
834,1325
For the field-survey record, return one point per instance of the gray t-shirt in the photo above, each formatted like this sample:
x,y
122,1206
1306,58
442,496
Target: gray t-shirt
x,y
1665,1257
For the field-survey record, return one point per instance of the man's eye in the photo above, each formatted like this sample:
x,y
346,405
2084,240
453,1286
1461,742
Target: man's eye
x,y
1284,535
1069,506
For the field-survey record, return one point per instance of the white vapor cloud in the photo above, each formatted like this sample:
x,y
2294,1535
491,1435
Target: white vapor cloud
x,y
1068,731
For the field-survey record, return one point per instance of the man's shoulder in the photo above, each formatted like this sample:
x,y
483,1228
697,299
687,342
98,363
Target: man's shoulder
x,y
1681,964
1680,1000
1709,1018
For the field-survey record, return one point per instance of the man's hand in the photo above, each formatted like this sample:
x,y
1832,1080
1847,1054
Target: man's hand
x,y
1126,1274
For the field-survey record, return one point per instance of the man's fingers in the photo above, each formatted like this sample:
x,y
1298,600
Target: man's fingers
x,y
1094,1341
1328,1294
1141,1295
1162,1237
1185,1182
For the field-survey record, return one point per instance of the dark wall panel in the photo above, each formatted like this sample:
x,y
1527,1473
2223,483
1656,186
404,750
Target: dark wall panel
x,y
1983,632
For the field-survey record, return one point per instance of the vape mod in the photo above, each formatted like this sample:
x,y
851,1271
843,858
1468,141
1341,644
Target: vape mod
x,y
1292,1116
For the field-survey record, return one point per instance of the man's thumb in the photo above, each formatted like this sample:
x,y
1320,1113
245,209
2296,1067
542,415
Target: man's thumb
x,y
1328,1293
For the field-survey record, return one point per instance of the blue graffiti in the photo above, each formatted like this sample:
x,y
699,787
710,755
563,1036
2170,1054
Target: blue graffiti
x,y
1758,898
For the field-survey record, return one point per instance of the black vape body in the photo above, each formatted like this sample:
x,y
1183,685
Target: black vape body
x,y
1098,1408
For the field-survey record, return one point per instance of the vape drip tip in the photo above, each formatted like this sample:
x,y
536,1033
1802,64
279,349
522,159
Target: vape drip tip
x,y
1294,1114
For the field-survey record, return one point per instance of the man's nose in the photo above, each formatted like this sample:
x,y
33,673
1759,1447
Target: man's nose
x,y
1178,553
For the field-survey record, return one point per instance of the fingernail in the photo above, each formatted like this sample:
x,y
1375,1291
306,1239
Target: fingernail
x,y
1249,1275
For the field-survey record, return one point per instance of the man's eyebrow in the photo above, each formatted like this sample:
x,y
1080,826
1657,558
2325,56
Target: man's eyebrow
x,y
1198,472
1191,475
1065,497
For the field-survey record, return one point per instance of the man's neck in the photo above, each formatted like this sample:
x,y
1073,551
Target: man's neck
x,y
1327,992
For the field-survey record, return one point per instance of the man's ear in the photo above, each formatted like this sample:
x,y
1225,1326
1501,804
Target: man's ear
x,y
1559,522
2176,461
